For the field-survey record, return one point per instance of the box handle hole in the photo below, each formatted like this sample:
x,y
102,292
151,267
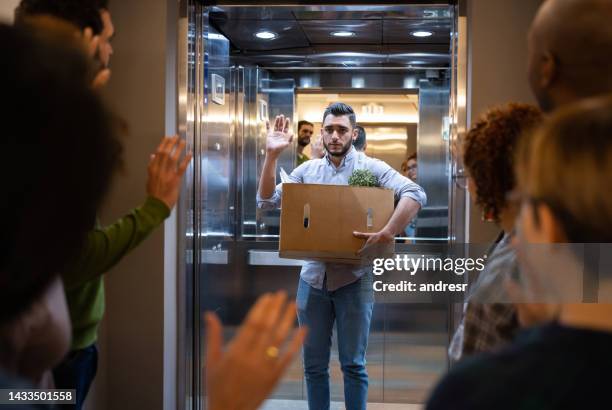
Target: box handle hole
x,y
306,216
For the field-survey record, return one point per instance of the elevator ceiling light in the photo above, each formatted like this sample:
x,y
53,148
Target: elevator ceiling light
x,y
422,33
343,33
266,35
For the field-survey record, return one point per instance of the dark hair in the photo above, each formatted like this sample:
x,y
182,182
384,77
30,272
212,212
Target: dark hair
x,y
304,122
339,109
81,13
61,152
489,152
413,156
360,141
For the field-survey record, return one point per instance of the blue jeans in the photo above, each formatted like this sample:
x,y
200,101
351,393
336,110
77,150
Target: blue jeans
x,y
77,371
351,308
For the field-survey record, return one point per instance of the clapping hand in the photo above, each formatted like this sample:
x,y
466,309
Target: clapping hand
x,y
166,170
91,43
244,375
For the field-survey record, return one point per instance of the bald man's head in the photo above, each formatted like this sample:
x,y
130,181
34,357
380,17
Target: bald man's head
x,y
569,51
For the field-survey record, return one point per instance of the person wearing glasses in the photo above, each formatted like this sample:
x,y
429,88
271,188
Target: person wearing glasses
x,y
487,323
562,364
410,167
329,293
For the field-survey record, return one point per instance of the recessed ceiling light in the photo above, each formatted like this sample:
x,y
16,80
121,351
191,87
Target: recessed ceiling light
x,y
343,33
422,33
265,35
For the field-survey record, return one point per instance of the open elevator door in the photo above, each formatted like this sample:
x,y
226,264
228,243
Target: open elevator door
x,y
230,246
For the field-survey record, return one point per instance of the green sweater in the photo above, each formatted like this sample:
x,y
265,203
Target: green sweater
x,y
301,158
103,248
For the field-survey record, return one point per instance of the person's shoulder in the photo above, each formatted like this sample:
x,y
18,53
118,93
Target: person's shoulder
x,y
474,383
312,163
371,162
307,167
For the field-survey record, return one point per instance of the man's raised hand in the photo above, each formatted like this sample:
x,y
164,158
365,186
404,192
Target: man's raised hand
x,y
280,136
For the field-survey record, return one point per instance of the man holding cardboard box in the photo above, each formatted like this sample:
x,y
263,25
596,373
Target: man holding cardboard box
x,y
336,292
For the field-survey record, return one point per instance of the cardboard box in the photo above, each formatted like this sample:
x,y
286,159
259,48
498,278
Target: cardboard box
x,y
317,221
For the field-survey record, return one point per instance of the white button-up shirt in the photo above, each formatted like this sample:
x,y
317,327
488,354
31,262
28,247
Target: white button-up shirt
x,y
323,171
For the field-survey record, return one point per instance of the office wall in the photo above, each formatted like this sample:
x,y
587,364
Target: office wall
x,y
7,7
497,65
140,290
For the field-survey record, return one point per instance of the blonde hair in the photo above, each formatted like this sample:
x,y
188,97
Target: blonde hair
x,y
567,165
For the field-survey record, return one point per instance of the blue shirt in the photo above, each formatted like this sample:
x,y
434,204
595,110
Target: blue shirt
x,y
323,171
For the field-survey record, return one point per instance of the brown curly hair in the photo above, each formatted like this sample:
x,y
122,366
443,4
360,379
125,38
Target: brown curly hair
x,y
489,152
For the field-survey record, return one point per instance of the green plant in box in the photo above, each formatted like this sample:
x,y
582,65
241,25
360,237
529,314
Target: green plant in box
x,y
362,177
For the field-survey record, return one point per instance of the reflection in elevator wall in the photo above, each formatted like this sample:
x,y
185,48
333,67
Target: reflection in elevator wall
x,y
433,154
215,133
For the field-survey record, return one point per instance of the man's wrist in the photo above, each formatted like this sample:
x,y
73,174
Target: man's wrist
x,y
272,156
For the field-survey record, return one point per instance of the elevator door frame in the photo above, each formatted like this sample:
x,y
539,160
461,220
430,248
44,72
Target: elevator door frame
x,y
189,79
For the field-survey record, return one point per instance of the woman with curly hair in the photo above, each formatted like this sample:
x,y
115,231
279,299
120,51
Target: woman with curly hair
x,y
489,160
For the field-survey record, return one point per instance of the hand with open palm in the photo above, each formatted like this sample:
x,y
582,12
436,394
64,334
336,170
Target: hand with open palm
x,y
244,374
279,137
91,44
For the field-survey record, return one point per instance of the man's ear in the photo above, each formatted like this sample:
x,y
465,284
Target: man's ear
x,y
550,226
548,70
355,133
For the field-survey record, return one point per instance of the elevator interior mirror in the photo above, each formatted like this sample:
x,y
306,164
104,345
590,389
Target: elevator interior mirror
x,y
391,63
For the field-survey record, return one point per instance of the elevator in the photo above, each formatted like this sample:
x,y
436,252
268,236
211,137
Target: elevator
x,y
402,69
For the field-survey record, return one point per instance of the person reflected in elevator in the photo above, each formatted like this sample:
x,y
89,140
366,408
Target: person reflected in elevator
x,y
489,320
567,58
563,364
56,185
330,293
409,170
317,150
410,167
104,247
305,131
360,143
